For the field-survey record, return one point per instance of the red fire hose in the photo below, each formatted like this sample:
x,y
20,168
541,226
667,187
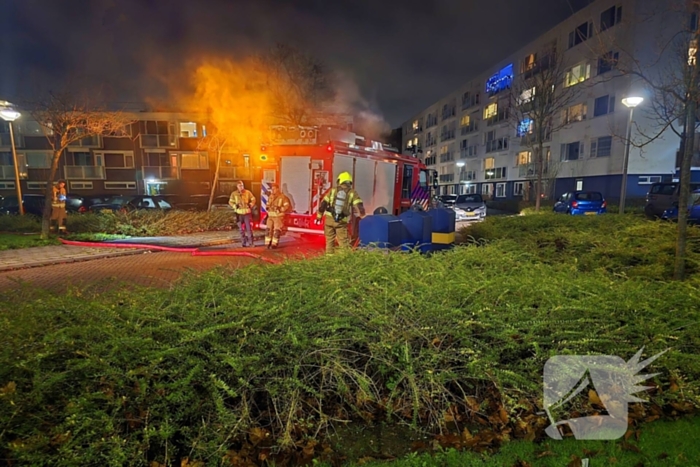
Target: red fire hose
x,y
193,250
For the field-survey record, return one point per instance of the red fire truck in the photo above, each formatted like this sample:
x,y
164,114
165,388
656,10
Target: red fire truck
x,y
305,162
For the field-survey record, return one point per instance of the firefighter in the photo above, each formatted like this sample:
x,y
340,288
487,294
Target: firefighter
x,y
58,205
277,206
243,202
338,207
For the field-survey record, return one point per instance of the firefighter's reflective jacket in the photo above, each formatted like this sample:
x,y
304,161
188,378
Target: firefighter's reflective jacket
x,y
339,203
58,199
242,203
278,205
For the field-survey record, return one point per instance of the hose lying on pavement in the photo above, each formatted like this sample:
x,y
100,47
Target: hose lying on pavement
x,y
193,250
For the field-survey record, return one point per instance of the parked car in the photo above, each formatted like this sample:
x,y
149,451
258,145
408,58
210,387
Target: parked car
x,y
82,203
579,203
221,204
671,214
467,207
661,197
132,203
33,204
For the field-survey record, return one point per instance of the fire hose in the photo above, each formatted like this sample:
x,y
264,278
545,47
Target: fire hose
x,y
195,251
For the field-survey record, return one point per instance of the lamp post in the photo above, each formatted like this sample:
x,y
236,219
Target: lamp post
x,y
10,115
631,103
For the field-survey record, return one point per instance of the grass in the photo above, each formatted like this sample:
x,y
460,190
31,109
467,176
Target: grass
x,y
11,241
661,443
261,363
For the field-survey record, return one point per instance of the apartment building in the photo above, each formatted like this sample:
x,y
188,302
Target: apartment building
x,y
162,153
470,136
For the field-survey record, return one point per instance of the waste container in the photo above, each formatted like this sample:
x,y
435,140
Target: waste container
x,y
418,226
382,231
443,224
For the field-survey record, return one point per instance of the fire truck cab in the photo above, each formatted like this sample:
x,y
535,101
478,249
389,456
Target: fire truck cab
x,y
305,163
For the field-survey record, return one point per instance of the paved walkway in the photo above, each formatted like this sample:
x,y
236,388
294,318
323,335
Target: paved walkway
x,y
141,268
58,254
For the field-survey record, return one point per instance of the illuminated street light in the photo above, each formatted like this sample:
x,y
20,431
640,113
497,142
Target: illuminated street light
x,y
10,115
460,164
630,102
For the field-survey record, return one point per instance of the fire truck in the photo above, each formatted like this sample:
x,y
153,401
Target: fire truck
x,y
306,162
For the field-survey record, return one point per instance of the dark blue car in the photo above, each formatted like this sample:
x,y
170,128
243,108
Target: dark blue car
x,y
671,214
578,203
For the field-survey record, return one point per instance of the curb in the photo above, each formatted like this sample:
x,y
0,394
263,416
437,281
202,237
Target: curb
x,y
38,264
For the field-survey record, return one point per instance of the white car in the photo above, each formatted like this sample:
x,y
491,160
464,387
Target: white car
x,y
466,207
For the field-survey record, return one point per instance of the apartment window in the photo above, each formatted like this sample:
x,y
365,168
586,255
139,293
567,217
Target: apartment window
x,y
157,127
495,173
571,151
448,131
120,185
470,99
607,62
523,158
38,160
526,96
579,185
604,105
84,159
486,189
194,160
449,109
648,180
528,63
416,125
601,147
468,124
446,154
81,185
518,188
7,185
431,120
489,163
33,128
188,130
500,190
491,110
610,17
524,127
36,185
575,113
577,74
581,34
119,160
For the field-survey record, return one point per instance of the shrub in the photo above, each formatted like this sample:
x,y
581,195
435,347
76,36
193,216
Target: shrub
x,y
626,245
136,223
230,366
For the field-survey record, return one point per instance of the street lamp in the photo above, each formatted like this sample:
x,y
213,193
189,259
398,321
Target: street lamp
x,y
10,115
631,103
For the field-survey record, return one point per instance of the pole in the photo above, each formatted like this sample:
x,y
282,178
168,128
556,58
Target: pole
x,y
623,187
15,162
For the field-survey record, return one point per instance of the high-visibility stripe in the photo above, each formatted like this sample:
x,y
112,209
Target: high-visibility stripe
x,y
264,195
420,196
443,238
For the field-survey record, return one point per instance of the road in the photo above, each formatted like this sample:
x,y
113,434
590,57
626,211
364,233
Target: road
x,y
148,269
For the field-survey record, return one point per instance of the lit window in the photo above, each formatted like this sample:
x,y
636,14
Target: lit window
x,y
464,121
524,158
692,52
525,127
578,74
526,96
491,110
489,163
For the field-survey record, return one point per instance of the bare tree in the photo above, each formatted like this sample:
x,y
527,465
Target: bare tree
x,y
299,84
215,143
540,96
669,71
65,121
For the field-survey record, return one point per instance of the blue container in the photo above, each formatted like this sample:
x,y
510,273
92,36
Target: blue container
x,y
443,234
383,231
418,226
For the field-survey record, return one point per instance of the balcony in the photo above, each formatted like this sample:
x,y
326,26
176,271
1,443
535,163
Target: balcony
x,y
84,172
6,142
530,170
88,142
235,173
447,178
500,144
7,172
163,172
467,177
158,141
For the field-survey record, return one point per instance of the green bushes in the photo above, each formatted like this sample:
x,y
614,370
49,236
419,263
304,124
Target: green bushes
x,y
628,245
236,365
136,223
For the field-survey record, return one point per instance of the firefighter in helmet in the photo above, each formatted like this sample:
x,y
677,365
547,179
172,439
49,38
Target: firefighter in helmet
x,y
277,206
338,206
58,205
243,202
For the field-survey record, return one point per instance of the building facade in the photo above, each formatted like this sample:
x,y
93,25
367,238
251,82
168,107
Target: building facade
x,y
161,153
471,138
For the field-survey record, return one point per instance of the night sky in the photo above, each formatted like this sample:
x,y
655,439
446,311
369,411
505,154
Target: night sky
x,y
401,55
